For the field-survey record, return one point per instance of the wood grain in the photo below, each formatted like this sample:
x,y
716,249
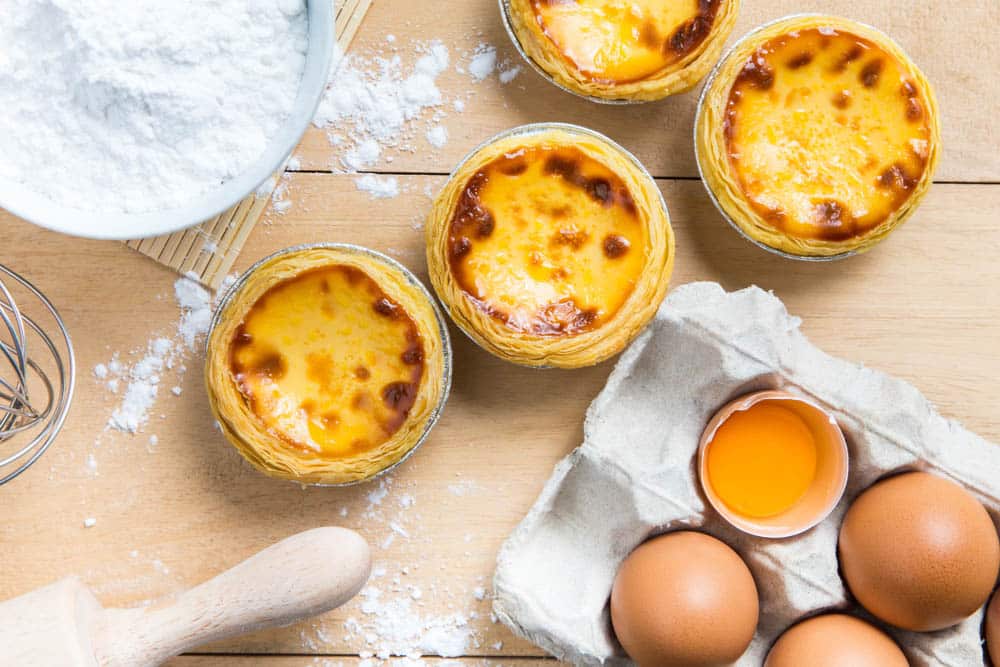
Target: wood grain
x,y
922,306
955,47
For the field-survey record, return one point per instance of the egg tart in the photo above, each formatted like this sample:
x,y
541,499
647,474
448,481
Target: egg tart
x,y
550,246
817,136
327,364
621,50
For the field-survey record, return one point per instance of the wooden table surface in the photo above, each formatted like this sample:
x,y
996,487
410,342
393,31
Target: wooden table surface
x,y
924,306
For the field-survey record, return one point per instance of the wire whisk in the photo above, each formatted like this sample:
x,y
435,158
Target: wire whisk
x,y
37,375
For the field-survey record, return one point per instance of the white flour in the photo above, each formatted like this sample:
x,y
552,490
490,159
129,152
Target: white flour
x,y
378,187
392,616
375,100
375,104
143,105
143,378
484,61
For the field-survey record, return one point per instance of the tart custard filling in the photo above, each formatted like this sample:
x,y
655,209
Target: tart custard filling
x,y
547,240
328,362
826,133
622,41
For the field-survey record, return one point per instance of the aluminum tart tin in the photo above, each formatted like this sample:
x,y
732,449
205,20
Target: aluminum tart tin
x,y
413,281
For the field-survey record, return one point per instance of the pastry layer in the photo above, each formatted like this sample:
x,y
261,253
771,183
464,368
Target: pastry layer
x,y
547,240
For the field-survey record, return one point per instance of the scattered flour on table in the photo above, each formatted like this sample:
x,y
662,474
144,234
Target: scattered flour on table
x,y
379,187
437,136
484,61
508,73
140,106
162,354
392,616
464,487
376,104
373,102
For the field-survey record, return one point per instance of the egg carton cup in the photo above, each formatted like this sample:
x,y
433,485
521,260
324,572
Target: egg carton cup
x,y
635,476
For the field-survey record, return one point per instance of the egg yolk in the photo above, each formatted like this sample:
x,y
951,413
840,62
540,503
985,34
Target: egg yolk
x,y
762,460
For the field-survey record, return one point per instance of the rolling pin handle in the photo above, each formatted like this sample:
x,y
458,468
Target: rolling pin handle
x,y
304,575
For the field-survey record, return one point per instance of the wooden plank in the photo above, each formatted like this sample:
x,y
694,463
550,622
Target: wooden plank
x,y
955,47
923,306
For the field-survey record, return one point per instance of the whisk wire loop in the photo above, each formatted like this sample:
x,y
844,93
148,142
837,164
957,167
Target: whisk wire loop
x,y
37,377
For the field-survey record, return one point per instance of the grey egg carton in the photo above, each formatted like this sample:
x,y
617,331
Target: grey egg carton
x,y
635,476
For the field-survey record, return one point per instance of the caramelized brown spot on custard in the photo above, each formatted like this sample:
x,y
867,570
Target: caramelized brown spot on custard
x,y
895,177
269,364
849,56
871,72
693,31
362,373
800,60
842,99
565,317
571,237
361,400
756,73
460,247
400,396
615,246
515,164
834,218
241,338
386,307
775,216
413,354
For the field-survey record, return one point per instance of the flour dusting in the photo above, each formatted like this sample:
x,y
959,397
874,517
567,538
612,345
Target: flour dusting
x,y
162,353
143,105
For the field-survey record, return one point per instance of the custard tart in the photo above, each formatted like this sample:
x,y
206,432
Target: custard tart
x,y
550,246
621,50
817,136
327,364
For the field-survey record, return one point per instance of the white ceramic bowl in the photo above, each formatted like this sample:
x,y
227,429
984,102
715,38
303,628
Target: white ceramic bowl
x,y
103,225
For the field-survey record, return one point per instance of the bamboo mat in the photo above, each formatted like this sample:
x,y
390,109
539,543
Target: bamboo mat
x,y
207,251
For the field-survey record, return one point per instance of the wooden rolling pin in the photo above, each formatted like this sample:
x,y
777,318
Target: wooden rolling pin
x,y
64,625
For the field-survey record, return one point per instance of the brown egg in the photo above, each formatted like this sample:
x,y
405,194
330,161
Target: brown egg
x,y
919,552
993,629
684,600
835,640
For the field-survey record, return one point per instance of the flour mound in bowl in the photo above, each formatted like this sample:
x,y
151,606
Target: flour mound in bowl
x,y
143,105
